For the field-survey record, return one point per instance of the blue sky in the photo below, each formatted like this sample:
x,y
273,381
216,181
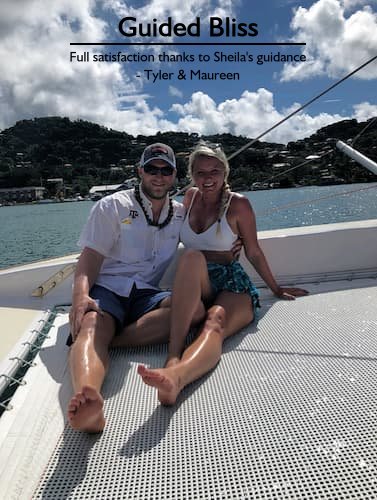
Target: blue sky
x,y
37,77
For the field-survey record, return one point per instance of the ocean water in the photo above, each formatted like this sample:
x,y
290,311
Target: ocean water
x,y
33,232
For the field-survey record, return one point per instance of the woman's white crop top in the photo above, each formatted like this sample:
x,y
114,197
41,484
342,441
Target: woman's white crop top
x,y
211,239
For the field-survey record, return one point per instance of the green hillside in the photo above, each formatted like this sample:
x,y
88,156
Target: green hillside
x,y
85,154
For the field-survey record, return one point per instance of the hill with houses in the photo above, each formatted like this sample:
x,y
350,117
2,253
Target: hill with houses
x,y
77,155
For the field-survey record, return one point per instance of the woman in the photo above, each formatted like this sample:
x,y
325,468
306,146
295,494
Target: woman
x,y
207,272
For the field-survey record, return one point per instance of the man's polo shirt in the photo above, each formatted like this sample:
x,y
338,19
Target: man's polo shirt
x,y
135,252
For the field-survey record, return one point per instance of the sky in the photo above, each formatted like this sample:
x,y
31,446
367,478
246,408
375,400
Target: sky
x,y
38,76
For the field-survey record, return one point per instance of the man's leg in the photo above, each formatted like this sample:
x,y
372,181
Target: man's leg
x,y
153,327
89,360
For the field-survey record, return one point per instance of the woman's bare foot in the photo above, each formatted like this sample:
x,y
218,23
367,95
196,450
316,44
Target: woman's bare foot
x,y
172,361
164,381
85,411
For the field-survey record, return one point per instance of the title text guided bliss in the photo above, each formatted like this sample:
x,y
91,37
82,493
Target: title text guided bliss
x,y
227,27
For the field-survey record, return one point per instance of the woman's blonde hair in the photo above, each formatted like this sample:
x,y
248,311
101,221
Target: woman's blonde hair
x,y
210,151
213,151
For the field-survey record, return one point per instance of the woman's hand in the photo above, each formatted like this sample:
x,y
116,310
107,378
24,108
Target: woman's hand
x,y
290,293
236,248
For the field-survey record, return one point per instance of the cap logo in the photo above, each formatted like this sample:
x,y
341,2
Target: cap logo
x,y
156,152
159,149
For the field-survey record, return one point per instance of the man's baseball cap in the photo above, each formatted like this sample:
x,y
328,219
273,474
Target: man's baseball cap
x,y
158,151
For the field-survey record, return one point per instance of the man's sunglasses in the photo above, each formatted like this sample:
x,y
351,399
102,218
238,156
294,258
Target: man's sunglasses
x,y
153,170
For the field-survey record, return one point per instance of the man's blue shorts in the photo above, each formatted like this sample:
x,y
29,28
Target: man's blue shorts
x,y
126,310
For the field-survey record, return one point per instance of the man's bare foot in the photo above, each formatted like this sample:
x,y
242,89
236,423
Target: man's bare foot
x,y
162,379
85,411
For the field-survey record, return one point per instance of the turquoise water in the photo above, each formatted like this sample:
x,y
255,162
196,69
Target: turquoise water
x,y
33,232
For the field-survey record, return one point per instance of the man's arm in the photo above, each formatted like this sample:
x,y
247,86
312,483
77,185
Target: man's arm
x,y
87,270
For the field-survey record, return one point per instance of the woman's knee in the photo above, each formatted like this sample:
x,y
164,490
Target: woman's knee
x,y
251,315
216,318
247,315
192,259
200,314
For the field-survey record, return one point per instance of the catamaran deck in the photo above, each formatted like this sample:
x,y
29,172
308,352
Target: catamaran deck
x,y
289,413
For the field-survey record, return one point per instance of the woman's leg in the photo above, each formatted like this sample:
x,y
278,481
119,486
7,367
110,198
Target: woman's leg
x,y
191,286
230,313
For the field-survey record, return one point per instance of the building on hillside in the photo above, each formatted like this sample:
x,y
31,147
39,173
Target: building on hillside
x,y
22,194
98,192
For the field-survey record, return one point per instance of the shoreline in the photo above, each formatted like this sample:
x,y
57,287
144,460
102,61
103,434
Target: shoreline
x,y
50,201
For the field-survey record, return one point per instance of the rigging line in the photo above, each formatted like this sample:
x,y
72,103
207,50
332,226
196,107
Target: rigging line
x,y
323,155
308,202
250,143
253,141
363,130
296,166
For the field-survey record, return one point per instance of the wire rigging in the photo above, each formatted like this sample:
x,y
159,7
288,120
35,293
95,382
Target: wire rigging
x,y
250,143
253,141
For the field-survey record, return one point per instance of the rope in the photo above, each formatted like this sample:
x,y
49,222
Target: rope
x,y
321,156
301,108
297,166
253,141
364,129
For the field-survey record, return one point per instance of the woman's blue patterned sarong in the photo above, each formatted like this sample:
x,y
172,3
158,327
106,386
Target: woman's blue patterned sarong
x,y
233,278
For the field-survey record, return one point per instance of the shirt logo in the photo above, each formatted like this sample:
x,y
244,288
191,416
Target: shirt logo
x,y
127,220
134,214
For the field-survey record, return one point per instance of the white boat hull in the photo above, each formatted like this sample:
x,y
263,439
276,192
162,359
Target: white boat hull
x,y
288,413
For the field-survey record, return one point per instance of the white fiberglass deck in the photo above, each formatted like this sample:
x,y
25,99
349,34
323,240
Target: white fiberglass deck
x,y
289,413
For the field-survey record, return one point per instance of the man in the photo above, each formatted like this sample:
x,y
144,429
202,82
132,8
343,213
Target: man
x,y
128,243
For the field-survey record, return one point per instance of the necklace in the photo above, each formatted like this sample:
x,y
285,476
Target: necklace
x,y
150,222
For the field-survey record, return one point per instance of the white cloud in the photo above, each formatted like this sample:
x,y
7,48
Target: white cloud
x,y
250,115
351,4
364,111
336,44
173,91
38,79
181,11
36,76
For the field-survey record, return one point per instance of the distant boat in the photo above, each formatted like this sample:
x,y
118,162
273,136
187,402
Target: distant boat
x,y
257,186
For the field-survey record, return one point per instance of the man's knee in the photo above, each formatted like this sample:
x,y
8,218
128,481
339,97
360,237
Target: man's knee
x,y
96,324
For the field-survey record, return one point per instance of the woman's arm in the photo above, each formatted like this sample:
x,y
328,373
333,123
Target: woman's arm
x,y
247,230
